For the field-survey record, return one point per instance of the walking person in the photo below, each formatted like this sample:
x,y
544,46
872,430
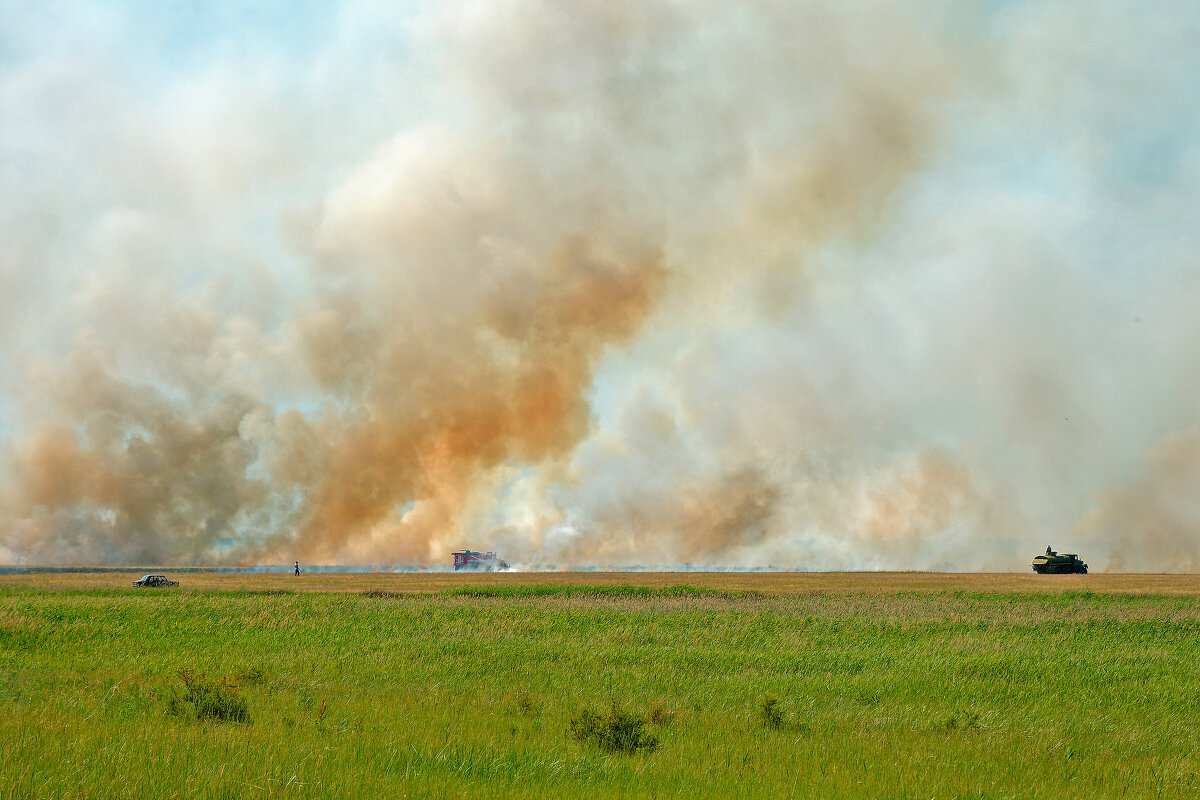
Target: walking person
x,y
297,569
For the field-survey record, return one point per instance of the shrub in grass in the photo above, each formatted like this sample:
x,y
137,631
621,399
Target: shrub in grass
x,y
617,730
776,718
208,698
772,713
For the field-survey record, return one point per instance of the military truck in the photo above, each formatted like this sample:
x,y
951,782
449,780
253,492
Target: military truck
x,y
1052,563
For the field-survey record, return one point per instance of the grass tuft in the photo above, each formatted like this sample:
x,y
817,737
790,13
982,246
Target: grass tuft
x,y
659,714
526,705
963,721
255,676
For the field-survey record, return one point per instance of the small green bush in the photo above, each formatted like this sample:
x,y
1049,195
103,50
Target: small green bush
x,y
208,698
617,730
772,713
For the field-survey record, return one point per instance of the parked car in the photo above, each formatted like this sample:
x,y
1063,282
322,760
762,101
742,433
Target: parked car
x,y
155,580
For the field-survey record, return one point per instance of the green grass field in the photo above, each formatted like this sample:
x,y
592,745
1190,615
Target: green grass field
x,y
470,689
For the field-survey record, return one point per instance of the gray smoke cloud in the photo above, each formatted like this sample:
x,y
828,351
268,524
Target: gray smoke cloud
x,y
845,285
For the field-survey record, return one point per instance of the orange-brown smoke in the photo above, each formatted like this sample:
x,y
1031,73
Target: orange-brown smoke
x,y
429,441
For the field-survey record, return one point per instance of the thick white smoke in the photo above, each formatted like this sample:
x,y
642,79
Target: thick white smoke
x,y
846,285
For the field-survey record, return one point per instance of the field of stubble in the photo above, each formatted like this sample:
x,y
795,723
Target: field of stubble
x,y
599,685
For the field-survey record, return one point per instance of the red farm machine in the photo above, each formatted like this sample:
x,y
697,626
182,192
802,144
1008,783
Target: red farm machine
x,y
484,562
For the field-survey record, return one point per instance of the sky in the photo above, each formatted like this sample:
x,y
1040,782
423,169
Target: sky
x,y
821,285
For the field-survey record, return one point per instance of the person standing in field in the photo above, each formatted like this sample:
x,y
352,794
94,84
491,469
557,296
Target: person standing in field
x,y
297,569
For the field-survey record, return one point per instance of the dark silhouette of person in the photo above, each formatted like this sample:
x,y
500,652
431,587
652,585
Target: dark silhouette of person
x,y
297,568
1049,552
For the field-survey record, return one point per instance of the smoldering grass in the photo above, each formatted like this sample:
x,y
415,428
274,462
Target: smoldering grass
x,y
621,590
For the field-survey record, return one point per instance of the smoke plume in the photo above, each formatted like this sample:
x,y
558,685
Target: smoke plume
x,y
830,285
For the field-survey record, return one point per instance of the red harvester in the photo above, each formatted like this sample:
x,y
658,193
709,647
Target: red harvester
x,y
469,559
